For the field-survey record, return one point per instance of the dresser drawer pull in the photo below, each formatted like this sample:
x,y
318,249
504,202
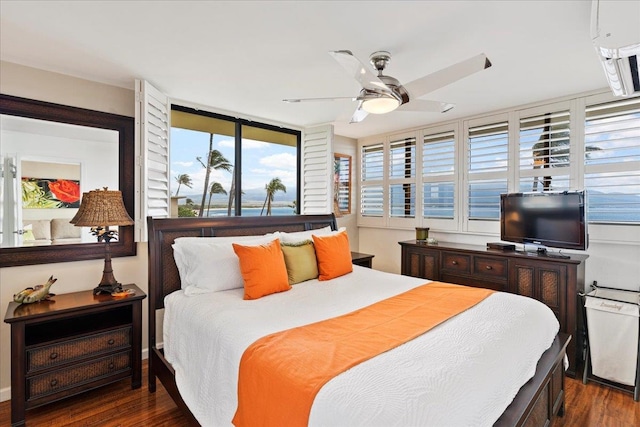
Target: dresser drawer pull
x,y
454,262
53,355
54,382
111,341
488,267
112,365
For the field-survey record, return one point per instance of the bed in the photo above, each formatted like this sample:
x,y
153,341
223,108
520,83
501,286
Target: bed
x,y
537,400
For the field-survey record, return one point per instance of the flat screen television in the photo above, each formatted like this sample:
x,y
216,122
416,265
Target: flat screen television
x,y
550,219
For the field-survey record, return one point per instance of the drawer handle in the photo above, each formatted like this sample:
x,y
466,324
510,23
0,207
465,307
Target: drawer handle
x,y
112,365
53,356
54,382
488,267
454,262
111,341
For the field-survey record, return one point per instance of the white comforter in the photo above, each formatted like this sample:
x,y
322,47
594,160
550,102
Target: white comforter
x,y
464,372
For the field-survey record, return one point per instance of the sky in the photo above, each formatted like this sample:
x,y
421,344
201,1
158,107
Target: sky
x,y
262,161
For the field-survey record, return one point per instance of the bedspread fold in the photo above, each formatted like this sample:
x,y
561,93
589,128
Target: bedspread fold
x,y
281,373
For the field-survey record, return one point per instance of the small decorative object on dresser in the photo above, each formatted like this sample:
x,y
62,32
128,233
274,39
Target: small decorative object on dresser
x,y
72,343
35,294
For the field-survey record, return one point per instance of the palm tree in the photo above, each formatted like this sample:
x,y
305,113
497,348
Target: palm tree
x,y
216,188
272,188
185,179
215,160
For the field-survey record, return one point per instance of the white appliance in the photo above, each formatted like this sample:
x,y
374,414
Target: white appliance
x,y
615,31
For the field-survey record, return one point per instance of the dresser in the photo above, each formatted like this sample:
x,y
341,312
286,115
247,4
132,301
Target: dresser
x,y
73,343
553,281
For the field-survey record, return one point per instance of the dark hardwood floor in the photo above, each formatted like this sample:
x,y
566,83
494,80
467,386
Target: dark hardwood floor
x,y
590,405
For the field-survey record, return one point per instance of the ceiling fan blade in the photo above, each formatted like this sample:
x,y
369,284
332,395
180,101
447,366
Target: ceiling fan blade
x,y
428,106
358,71
446,76
359,115
335,98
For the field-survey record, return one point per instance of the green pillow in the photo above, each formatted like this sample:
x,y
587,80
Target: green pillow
x,y
300,259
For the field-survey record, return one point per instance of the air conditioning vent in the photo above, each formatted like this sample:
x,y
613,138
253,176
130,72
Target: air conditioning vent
x,y
615,35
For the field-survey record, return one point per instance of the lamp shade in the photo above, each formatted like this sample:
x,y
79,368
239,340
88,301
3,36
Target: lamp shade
x,y
380,104
101,208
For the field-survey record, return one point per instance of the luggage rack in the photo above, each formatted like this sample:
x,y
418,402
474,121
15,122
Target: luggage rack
x,y
587,375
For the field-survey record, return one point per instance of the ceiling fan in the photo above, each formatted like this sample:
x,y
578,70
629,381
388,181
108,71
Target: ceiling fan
x,y
382,94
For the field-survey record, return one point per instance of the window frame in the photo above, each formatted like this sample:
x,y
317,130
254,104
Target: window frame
x,y
237,169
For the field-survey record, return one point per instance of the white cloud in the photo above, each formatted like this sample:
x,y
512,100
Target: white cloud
x,y
227,143
258,178
282,160
183,164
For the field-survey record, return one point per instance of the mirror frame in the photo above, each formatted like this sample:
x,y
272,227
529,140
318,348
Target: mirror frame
x,y
125,245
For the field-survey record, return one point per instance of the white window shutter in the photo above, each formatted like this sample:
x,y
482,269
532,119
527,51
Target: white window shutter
x,y
153,126
317,171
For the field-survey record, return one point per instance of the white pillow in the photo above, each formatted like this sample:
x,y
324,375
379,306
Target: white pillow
x,y
301,236
209,264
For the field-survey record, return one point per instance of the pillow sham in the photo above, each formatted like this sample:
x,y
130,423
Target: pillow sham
x,y
263,269
210,264
301,236
301,262
334,255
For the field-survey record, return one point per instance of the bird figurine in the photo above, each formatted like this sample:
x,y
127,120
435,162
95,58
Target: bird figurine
x,y
35,294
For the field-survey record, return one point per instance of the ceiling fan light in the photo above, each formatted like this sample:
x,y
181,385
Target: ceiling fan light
x,y
380,105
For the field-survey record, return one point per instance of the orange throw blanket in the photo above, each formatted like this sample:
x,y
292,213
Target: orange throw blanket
x,y
281,373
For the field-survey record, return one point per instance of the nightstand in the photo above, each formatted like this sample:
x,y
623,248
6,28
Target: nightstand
x,y
73,343
361,259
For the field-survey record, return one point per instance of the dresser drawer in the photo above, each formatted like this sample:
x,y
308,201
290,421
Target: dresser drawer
x,y
493,267
66,351
53,382
458,263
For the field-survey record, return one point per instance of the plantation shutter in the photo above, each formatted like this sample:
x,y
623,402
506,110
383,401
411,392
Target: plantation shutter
x,y
488,150
402,183
371,180
544,152
438,175
317,171
153,127
612,161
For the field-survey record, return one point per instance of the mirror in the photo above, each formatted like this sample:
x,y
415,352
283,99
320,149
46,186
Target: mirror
x,y
341,184
64,151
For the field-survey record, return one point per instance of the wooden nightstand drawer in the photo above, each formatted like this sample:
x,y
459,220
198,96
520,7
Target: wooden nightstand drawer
x,y
53,382
456,262
66,351
491,267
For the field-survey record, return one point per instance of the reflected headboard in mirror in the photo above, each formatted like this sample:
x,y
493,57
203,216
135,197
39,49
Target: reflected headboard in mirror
x,y
125,164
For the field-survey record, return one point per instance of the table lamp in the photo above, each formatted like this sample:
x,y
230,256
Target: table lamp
x,y
100,209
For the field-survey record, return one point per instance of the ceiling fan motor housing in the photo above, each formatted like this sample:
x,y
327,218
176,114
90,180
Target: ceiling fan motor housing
x,y
379,60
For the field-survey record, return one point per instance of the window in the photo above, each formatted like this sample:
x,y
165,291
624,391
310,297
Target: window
x,y
438,175
371,176
223,166
544,152
449,177
488,155
402,174
612,161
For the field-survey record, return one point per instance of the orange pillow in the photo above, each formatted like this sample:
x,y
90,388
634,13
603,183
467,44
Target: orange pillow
x,y
263,269
334,255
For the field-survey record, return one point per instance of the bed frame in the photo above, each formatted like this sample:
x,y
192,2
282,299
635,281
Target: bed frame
x,y
536,404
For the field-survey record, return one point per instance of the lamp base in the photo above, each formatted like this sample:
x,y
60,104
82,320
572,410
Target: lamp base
x,y
107,289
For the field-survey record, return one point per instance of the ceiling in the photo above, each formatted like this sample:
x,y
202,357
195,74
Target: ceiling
x,y
245,57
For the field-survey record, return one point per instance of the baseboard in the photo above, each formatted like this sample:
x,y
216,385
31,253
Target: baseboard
x,y
5,393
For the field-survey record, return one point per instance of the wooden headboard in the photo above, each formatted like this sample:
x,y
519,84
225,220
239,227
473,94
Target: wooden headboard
x,y
163,272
